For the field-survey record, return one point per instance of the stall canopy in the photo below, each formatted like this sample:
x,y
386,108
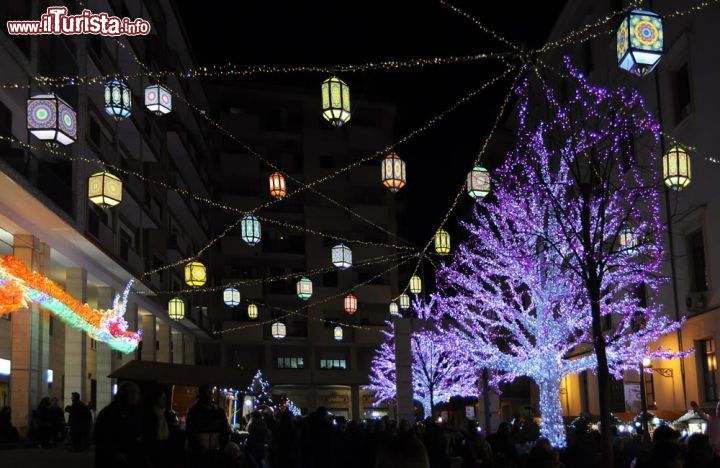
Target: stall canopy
x,y
182,374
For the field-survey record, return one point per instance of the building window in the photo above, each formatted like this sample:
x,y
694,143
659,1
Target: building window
x,y
649,388
51,325
290,363
93,344
708,365
696,256
333,364
683,96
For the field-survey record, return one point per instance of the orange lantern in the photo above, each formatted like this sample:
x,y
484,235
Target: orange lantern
x,y
277,185
351,304
393,172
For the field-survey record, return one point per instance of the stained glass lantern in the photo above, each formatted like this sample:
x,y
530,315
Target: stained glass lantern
x,y
342,256
51,119
278,330
176,308
478,182
676,168
335,101
105,189
404,301
158,99
338,333
277,185
252,311
394,309
628,241
195,274
231,297
250,229
640,42
351,304
392,172
442,242
118,102
415,284
304,288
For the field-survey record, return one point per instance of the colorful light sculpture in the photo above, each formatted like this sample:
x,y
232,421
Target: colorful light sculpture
x,y
351,304
342,256
338,333
335,101
278,188
118,100
404,301
195,274
640,42
252,311
105,189
394,308
278,330
392,172
442,242
415,284
158,99
51,119
176,308
231,297
676,168
304,288
478,182
250,229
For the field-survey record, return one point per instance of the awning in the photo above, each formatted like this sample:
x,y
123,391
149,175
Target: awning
x,y
182,374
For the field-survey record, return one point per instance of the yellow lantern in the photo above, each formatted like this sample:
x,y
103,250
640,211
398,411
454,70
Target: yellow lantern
x,y
392,172
676,168
338,333
104,189
278,188
442,242
335,101
404,301
394,309
415,284
628,241
351,304
176,308
278,330
195,274
252,311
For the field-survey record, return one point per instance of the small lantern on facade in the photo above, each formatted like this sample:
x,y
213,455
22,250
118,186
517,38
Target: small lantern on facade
x,y
442,242
342,256
335,101
51,119
404,301
278,188
250,229
176,308
415,284
278,330
105,189
252,311
676,168
118,102
195,274
338,333
304,288
158,99
392,172
351,303
628,240
478,182
231,297
394,310
640,42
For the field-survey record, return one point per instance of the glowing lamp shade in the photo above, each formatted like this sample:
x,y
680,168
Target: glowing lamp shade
x,y
404,301
252,311
394,310
478,183
105,189
51,119
712,362
442,242
415,284
250,230
195,274
158,99
628,240
118,102
231,297
647,363
338,333
392,172
278,189
676,168
335,101
640,42
304,288
351,304
176,308
278,330
342,256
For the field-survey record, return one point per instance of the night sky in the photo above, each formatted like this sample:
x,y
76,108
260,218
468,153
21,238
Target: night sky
x,y
325,32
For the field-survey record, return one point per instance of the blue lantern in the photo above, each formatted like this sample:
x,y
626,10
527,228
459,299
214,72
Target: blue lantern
x,y
231,297
250,229
118,102
640,42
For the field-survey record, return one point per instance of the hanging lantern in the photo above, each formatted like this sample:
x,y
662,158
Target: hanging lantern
x,y
278,330
250,229
176,308
117,99
51,119
338,333
252,311
676,168
335,101
158,99
393,172
442,242
404,301
628,241
195,274
231,297
104,189
277,185
304,288
342,256
351,304
640,42
415,284
478,182
394,309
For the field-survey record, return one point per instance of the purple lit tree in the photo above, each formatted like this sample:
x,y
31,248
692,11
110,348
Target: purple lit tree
x,y
572,234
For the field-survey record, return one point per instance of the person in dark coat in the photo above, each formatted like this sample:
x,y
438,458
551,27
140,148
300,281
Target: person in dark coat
x,y
57,419
41,424
80,422
118,429
207,430
8,433
161,436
